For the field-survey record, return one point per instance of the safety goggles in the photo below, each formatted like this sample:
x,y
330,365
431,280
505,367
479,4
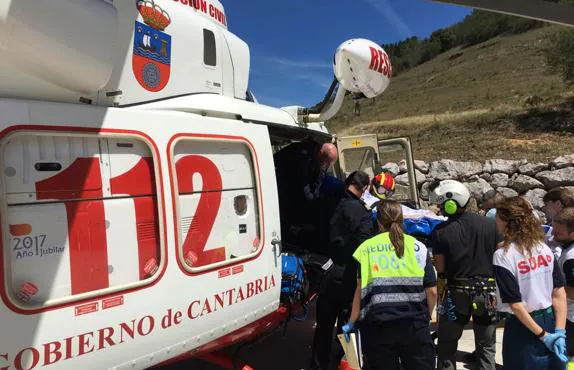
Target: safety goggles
x,y
382,192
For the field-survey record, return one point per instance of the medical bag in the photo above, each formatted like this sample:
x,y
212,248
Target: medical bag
x,y
293,277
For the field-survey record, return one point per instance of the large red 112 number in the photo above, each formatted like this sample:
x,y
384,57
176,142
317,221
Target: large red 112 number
x,y
204,218
139,182
81,185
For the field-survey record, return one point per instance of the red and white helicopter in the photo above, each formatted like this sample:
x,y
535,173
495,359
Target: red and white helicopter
x,y
138,202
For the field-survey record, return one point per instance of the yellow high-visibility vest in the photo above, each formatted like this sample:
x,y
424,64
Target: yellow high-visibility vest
x,y
386,278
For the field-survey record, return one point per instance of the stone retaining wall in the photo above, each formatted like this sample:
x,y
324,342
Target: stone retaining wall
x,y
509,177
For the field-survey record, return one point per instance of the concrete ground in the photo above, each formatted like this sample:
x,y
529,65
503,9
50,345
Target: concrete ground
x,y
292,351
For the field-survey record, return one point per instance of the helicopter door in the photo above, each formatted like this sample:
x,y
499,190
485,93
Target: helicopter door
x,y
358,153
398,150
369,154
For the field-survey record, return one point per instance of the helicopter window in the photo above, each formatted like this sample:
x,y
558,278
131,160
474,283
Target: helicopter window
x,y
359,159
209,48
218,203
240,203
81,221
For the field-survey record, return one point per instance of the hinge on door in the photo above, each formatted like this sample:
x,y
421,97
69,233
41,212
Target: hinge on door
x,y
276,243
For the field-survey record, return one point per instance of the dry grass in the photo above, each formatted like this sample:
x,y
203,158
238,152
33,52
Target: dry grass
x,y
538,135
425,119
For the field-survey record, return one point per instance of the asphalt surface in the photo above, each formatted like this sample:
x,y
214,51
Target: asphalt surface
x,y
292,351
277,351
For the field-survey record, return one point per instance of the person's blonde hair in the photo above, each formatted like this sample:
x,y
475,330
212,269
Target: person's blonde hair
x,y
390,216
522,227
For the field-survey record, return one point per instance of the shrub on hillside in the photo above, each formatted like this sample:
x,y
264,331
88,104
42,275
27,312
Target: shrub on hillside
x,y
477,27
560,53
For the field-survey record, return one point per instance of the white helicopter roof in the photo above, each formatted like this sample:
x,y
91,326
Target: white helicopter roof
x,y
137,54
226,107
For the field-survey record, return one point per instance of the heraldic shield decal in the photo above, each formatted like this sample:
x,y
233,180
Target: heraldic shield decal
x,y
152,47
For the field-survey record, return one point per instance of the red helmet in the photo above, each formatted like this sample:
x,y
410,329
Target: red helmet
x,y
383,185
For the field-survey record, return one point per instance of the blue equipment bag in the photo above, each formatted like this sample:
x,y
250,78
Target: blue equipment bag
x,y
420,226
294,284
292,276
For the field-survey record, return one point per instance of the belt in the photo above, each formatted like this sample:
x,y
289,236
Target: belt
x,y
471,282
537,313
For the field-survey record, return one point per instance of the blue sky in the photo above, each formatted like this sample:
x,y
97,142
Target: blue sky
x,y
292,41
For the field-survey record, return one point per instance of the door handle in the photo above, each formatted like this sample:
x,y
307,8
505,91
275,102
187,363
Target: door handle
x,y
277,246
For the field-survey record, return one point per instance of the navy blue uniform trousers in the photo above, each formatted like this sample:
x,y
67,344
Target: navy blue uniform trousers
x,y
521,350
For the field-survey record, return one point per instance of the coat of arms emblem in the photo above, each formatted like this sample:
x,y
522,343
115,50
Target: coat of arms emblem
x,y
152,47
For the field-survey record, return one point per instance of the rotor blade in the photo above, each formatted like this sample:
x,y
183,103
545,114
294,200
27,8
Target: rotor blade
x,y
542,10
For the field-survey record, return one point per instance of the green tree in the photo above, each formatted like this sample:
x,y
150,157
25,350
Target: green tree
x,y
477,27
429,50
446,37
560,53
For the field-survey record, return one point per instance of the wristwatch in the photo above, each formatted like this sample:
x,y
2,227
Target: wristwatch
x,y
541,335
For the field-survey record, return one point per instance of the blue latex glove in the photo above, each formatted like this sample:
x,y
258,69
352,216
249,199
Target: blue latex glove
x,y
348,328
560,346
560,349
550,338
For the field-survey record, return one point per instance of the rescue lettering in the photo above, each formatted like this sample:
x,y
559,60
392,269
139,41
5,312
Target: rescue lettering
x,y
380,62
533,263
87,343
211,10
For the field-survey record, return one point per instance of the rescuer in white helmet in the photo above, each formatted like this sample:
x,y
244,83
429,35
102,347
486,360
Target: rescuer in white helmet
x,y
463,248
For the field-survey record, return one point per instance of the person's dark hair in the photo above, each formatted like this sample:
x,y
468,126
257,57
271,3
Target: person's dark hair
x,y
566,217
491,194
358,178
562,195
433,185
522,227
390,216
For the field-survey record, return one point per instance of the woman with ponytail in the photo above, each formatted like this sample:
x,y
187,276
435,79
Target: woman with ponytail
x,y
395,296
